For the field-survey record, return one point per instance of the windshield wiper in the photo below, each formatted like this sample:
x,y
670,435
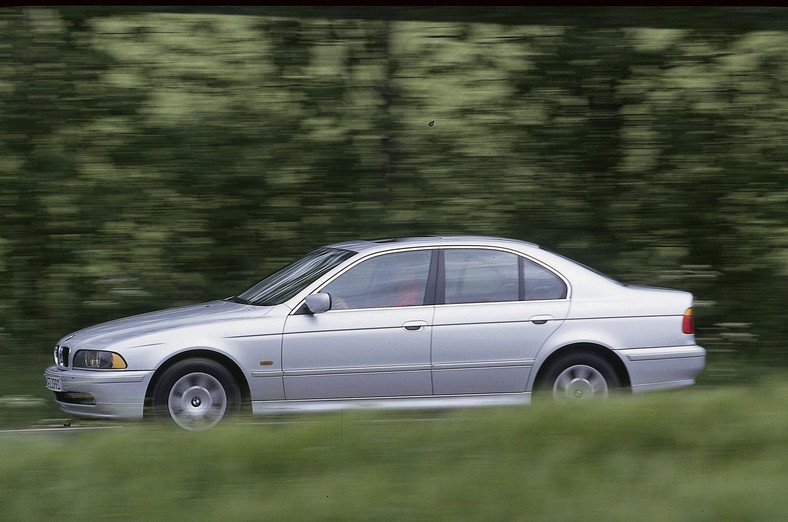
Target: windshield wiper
x,y
241,300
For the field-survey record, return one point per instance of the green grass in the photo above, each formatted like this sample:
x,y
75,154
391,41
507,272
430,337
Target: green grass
x,y
24,401
696,454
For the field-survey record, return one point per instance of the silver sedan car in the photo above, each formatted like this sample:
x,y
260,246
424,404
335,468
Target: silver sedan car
x,y
426,322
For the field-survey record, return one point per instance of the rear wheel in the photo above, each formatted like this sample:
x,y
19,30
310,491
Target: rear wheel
x,y
577,377
196,394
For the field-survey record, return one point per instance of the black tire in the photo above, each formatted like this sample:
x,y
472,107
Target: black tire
x,y
196,394
578,376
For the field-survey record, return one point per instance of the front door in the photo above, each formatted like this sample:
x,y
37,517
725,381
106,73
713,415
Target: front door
x,y
375,339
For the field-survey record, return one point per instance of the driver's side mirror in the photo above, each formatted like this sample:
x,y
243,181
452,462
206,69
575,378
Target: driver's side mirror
x,y
318,303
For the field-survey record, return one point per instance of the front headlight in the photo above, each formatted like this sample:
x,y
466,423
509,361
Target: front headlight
x,y
99,359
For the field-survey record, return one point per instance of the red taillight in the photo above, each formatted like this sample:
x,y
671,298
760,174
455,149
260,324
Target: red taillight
x,y
688,324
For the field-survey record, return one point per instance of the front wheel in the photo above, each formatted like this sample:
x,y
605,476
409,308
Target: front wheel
x,y
579,376
196,394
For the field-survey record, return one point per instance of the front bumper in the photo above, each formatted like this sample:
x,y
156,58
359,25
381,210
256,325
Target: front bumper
x,y
118,394
663,368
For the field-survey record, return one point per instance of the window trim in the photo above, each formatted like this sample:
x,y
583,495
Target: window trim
x,y
429,291
521,279
521,258
435,293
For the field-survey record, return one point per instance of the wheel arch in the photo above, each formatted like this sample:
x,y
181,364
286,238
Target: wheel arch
x,y
228,363
608,354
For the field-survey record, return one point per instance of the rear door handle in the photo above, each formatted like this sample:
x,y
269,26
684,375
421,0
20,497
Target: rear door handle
x,y
413,326
541,319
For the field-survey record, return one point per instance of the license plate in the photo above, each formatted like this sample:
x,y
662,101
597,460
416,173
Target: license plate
x,y
53,383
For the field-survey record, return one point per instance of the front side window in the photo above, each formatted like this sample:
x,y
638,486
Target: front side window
x,y
480,276
389,280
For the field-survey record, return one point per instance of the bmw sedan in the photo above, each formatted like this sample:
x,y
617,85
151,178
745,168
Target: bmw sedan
x,y
427,322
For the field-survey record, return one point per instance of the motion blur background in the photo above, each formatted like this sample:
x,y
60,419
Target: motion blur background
x,y
154,157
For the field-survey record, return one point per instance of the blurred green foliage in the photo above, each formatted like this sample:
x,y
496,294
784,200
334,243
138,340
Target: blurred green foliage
x,y
153,157
696,455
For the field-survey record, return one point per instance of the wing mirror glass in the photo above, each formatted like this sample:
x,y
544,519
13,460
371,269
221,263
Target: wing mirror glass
x,y
318,303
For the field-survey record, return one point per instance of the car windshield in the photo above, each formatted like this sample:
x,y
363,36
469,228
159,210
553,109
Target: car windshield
x,y
287,282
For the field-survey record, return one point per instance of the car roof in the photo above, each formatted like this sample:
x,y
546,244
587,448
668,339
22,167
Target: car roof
x,y
370,245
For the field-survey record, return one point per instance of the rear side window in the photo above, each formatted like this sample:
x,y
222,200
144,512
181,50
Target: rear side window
x,y
541,283
475,275
480,276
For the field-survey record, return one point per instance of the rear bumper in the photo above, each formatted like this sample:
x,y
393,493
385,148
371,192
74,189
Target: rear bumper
x,y
114,394
664,367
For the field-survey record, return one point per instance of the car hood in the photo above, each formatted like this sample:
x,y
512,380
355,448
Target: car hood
x,y
152,322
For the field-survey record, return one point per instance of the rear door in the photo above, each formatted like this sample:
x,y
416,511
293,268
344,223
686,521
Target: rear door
x,y
494,311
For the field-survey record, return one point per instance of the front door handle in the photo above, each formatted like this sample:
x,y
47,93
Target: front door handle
x,y
541,319
413,326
